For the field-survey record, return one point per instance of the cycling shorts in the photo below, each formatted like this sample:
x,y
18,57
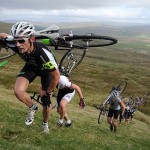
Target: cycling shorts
x,y
30,74
113,113
127,114
66,94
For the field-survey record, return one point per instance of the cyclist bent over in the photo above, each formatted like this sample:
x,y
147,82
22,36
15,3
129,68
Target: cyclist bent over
x,y
65,94
39,61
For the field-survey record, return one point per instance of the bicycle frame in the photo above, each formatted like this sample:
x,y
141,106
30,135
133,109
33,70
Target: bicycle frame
x,y
73,59
37,98
59,42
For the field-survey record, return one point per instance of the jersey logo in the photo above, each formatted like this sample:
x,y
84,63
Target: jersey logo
x,y
21,73
49,65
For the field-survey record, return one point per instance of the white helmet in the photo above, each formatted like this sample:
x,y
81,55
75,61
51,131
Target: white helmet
x,y
22,29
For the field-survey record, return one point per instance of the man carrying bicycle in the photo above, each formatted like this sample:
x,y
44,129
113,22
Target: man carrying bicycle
x,y
114,110
39,61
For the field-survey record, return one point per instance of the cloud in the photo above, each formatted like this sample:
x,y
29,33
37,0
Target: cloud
x,y
71,4
75,10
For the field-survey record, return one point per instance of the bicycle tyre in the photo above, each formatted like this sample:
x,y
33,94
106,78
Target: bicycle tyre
x,y
70,57
89,41
101,116
121,87
6,53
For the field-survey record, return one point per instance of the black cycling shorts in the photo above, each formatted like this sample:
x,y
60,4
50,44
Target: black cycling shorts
x,y
31,73
127,114
113,113
62,93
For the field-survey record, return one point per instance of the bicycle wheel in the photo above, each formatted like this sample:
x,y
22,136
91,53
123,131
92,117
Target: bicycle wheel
x,y
89,40
6,53
121,87
71,60
101,116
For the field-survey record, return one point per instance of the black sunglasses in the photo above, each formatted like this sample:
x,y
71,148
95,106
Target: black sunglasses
x,y
21,41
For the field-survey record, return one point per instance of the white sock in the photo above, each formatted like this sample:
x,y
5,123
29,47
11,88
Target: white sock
x,y
33,107
45,123
69,121
61,121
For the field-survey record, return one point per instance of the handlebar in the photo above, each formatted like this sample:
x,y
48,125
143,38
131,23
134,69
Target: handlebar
x,y
5,42
51,33
7,39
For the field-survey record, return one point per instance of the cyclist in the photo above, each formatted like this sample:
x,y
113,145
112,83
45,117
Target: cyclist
x,y
127,112
66,91
120,112
114,109
39,61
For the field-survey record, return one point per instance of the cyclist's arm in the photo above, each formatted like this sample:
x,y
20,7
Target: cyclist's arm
x,y
54,80
123,107
3,35
78,89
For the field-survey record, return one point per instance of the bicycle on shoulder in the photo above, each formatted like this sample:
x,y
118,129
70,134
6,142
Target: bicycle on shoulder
x,y
76,45
115,91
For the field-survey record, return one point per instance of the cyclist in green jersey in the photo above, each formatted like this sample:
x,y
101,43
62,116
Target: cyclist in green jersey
x,y
39,61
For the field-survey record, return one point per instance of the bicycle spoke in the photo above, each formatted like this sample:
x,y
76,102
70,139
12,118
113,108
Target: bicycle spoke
x,y
71,60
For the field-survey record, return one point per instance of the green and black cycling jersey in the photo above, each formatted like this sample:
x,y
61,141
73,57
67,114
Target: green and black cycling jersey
x,y
40,59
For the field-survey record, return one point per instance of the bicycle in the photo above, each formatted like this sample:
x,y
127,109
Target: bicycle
x,y
103,113
36,97
139,101
76,45
114,92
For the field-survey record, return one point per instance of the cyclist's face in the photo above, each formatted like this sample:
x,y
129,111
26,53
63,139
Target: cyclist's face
x,y
23,44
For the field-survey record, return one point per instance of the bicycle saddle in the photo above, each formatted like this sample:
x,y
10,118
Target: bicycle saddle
x,y
50,29
51,32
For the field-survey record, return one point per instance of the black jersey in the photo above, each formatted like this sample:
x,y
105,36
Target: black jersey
x,y
41,57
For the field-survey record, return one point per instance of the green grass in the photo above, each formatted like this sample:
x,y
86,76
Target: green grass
x,y
85,132
99,71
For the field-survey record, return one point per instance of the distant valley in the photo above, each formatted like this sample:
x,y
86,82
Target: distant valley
x,y
104,28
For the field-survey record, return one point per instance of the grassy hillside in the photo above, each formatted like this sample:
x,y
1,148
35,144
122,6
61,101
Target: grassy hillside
x,y
5,27
100,70
108,29
85,133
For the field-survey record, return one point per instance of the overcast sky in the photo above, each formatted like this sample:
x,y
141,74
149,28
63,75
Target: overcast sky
x,y
75,10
